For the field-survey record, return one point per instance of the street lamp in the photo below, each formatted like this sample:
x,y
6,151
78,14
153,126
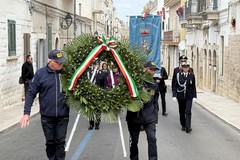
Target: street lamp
x,y
68,21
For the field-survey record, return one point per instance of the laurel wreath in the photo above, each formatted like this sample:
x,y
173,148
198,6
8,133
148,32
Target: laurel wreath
x,y
88,98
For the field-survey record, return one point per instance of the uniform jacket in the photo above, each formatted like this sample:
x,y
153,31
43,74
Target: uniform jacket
x,y
177,70
185,87
149,112
47,83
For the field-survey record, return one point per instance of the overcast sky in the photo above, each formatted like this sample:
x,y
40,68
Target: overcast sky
x,y
126,8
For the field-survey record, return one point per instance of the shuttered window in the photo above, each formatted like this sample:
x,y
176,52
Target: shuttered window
x,y
49,36
26,40
11,38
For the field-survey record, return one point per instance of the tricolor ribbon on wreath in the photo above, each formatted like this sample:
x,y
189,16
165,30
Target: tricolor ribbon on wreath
x,y
107,43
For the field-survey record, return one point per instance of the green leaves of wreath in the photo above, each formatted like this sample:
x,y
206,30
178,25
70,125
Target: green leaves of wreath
x,y
88,98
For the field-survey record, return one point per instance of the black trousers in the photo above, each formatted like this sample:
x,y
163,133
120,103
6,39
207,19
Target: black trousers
x,y
97,121
185,112
26,86
55,130
163,100
134,130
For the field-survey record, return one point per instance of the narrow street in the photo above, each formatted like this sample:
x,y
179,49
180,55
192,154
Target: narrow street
x,y
211,139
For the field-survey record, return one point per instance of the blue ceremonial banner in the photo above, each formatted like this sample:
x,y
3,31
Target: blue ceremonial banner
x,y
146,32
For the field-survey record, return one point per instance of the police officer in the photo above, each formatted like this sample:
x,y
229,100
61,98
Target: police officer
x,y
184,91
182,59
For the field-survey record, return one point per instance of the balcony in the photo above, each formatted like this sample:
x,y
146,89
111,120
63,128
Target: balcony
x,y
170,3
208,10
181,14
171,37
191,12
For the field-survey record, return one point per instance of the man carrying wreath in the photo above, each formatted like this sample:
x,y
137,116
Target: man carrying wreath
x,y
146,117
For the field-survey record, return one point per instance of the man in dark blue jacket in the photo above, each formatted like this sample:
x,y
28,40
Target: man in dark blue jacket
x,y
146,117
53,109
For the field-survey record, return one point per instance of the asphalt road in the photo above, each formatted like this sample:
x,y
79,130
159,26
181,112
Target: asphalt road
x,y
211,139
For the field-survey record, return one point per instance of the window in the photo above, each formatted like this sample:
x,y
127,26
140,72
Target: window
x,y
26,44
11,38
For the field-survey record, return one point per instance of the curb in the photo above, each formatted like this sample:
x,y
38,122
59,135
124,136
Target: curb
x,y
10,128
218,117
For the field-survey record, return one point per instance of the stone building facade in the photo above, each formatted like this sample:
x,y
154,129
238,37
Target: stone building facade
x,y
37,26
15,22
212,37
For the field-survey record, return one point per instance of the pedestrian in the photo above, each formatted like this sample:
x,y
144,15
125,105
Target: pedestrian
x,y
91,70
185,93
101,77
116,75
146,117
182,59
162,88
101,81
53,109
27,73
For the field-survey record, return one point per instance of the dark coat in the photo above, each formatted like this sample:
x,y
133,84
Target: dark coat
x,y
162,86
187,92
149,112
101,78
27,72
177,70
47,83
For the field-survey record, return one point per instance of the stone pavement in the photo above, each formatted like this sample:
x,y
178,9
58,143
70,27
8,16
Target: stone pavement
x,y
223,108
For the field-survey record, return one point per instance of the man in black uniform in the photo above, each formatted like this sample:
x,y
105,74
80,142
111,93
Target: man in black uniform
x,y
146,117
184,91
182,59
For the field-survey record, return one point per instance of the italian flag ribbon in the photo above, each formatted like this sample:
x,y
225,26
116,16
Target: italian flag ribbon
x,y
108,44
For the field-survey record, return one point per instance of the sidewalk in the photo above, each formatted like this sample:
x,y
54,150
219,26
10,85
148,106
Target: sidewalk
x,y
11,115
225,109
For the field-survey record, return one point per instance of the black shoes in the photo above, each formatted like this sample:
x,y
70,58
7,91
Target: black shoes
x,y
96,126
188,130
165,114
90,127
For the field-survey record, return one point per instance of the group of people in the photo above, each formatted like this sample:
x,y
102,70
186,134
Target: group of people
x,y
55,113
102,78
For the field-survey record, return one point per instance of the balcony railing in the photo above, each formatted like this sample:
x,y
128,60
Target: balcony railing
x,y
206,5
171,37
191,8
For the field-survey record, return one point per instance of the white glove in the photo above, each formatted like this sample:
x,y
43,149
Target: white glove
x,y
174,99
194,99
